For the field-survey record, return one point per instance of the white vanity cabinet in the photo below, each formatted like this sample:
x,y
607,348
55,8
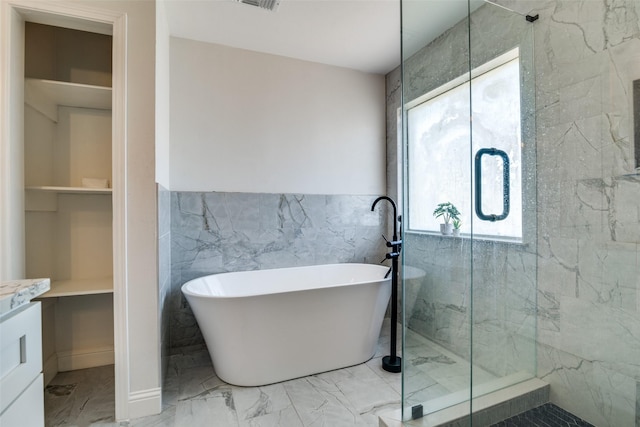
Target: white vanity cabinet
x,y
21,378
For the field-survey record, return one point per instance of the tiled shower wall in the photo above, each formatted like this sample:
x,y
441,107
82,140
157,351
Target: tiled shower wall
x,y
164,275
587,53
215,232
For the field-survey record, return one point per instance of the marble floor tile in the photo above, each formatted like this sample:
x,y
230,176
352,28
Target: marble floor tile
x,y
286,417
390,378
81,398
165,419
421,388
202,412
318,407
197,382
255,402
366,391
194,396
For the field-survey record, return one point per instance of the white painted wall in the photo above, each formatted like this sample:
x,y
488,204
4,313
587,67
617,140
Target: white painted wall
x,y
142,270
162,96
12,264
251,122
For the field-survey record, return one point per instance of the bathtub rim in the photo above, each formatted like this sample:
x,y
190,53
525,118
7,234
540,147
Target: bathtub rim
x,y
187,291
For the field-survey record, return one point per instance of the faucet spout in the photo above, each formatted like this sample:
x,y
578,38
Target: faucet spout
x,y
395,213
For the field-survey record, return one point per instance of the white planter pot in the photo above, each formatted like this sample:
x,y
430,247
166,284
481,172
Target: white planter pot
x,y
446,229
456,232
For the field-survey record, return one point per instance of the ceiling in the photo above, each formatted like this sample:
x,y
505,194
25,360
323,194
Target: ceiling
x,y
359,34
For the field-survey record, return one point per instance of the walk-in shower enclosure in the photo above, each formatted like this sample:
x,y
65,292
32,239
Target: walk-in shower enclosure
x,y
521,115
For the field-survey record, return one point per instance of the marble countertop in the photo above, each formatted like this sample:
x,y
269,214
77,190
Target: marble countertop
x,y
15,293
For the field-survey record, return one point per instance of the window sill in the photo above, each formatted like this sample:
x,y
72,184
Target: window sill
x,y
469,237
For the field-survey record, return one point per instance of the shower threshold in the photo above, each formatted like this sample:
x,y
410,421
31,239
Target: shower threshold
x,y
488,408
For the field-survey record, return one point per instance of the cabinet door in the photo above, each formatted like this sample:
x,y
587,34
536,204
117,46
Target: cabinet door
x,y
20,352
28,409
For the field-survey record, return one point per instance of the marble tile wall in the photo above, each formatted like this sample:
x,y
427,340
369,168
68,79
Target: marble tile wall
x,y
164,276
587,55
214,232
500,302
587,299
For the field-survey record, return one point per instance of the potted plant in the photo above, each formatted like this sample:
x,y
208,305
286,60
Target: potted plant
x,y
448,212
456,227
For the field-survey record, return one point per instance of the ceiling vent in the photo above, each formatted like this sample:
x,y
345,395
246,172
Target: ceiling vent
x,y
264,4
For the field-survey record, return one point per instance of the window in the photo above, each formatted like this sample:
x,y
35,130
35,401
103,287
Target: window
x,y
441,150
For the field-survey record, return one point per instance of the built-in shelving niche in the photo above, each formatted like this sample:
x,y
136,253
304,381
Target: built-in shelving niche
x,y
68,227
67,138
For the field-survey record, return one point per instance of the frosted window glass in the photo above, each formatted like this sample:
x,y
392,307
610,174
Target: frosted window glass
x,y
442,144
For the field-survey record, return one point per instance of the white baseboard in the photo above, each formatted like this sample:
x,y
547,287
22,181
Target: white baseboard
x,y
145,402
50,368
82,359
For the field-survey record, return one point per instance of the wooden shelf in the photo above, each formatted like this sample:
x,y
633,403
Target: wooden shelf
x,y
70,190
66,288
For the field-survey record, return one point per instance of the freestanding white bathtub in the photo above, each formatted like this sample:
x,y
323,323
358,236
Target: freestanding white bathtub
x,y
267,326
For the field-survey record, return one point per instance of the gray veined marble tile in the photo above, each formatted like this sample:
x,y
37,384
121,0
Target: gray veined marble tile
x,y
253,402
220,232
523,7
600,394
393,380
620,22
356,395
166,418
354,210
577,30
286,417
422,388
81,397
242,211
199,382
164,210
600,332
637,404
202,412
625,210
368,394
317,407
557,265
301,211
187,212
359,372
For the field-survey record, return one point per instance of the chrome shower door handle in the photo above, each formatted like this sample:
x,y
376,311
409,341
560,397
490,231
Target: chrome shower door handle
x,y
505,184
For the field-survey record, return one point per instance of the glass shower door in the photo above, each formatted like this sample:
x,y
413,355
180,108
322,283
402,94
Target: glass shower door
x,y
436,149
504,262
468,162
